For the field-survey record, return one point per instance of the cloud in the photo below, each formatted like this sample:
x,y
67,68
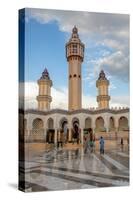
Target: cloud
x,y
87,22
120,101
60,98
116,65
106,38
101,31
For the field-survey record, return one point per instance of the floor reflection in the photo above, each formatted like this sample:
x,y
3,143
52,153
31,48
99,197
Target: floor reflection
x,y
60,169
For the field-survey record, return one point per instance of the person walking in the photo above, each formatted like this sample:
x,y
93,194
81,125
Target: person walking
x,y
101,145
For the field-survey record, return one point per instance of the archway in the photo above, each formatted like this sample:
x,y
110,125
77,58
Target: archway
x,y
123,124
63,133
37,124
75,130
63,122
88,123
87,127
100,125
111,124
50,123
50,131
37,130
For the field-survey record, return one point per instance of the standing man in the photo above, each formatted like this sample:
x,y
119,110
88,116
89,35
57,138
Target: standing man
x,y
101,145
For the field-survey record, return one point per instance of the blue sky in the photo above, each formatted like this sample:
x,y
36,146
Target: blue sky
x,y
106,38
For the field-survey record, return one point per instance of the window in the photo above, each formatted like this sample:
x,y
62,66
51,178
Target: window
x,y
74,75
74,48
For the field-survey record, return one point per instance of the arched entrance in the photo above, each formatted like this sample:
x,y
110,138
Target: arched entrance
x,y
123,124
111,124
62,136
37,130
100,125
50,131
75,130
87,128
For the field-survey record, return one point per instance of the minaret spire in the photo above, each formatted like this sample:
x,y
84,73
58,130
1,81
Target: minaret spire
x,y
75,56
44,98
102,84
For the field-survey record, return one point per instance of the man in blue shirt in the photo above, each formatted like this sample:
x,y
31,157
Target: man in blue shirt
x,y
101,145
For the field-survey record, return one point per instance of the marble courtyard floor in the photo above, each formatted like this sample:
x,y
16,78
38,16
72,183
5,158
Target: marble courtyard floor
x,y
69,168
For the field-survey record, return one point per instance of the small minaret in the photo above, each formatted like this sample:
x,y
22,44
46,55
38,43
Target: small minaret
x,y
75,56
102,84
44,98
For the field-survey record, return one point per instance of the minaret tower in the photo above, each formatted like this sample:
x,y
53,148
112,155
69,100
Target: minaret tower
x,y
75,56
102,85
44,98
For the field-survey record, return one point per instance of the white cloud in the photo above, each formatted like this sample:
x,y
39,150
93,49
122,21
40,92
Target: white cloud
x,y
106,30
116,64
108,34
120,101
87,22
60,98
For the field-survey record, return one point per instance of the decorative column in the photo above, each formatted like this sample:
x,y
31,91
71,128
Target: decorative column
x,y
55,137
82,135
45,135
106,122
70,134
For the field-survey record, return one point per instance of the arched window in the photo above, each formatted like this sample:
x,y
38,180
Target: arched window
x,y
74,75
123,123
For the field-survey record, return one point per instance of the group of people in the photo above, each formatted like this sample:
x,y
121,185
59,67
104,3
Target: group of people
x,y
62,138
89,143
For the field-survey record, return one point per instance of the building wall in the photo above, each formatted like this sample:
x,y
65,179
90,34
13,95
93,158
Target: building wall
x,y
81,117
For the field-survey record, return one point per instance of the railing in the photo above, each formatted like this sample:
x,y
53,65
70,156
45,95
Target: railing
x,y
37,131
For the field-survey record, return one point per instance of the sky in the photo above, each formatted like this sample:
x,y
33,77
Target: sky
x,y
106,39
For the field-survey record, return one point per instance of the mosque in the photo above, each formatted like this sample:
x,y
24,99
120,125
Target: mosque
x,y
50,125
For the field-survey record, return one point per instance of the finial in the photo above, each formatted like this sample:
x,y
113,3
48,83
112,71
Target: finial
x,y
75,30
102,76
45,74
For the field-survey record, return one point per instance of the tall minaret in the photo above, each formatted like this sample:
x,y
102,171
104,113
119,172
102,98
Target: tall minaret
x,y
44,98
75,56
102,85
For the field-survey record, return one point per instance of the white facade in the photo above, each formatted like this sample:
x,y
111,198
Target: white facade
x,y
103,121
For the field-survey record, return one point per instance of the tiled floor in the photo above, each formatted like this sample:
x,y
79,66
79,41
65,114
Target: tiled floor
x,y
61,169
